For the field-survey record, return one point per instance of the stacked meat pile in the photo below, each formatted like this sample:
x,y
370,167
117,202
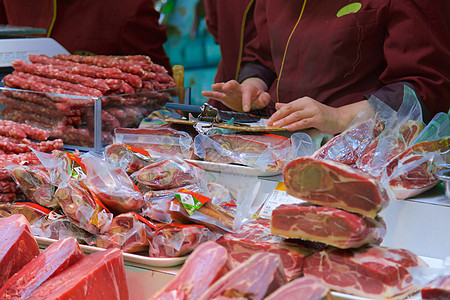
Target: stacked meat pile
x,y
67,85
61,271
16,141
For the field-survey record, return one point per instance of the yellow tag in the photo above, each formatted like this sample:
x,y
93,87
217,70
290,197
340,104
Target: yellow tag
x,y
349,9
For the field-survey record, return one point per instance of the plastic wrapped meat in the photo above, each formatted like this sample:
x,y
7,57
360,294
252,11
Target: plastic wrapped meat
x,y
255,237
211,216
437,289
129,158
56,226
100,275
382,149
169,173
81,208
327,225
370,272
129,232
36,185
173,240
305,288
112,185
329,183
413,171
31,211
266,151
53,260
347,147
255,278
17,246
202,268
157,141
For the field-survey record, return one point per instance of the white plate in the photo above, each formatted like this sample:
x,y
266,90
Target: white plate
x,y
233,169
129,259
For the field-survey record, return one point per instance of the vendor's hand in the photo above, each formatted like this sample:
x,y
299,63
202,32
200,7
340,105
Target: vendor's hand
x,y
305,113
243,97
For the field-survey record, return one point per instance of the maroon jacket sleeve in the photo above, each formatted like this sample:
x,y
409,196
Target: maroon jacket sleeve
x,y
417,50
257,58
211,18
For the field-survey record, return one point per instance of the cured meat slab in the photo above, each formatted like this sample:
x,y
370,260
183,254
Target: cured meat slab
x,y
305,288
52,261
419,177
100,275
203,267
329,183
254,279
371,272
17,246
255,237
437,289
327,225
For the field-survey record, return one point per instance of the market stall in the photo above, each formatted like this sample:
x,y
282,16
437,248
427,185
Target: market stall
x,y
91,151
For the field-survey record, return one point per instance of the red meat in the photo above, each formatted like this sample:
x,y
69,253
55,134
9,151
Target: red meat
x,y
256,278
437,289
329,183
52,261
371,272
328,225
255,237
100,275
17,246
411,181
304,288
203,267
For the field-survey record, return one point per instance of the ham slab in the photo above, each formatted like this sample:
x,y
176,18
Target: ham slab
x,y
305,288
203,267
254,279
52,261
327,225
329,183
100,275
370,272
17,246
255,237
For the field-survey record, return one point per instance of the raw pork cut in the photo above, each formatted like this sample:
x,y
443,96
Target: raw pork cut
x,y
371,272
254,279
419,176
329,183
203,267
100,275
328,225
437,289
255,237
17,246
304,288
52,261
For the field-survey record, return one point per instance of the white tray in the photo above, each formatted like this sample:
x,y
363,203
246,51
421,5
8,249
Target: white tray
x,y
233,168
129,259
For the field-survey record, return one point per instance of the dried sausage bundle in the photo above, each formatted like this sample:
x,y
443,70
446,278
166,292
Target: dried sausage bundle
x,y
52,87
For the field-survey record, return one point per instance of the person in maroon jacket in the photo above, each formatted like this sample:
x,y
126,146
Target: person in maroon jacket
x,y
106,27
231,24
314,64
